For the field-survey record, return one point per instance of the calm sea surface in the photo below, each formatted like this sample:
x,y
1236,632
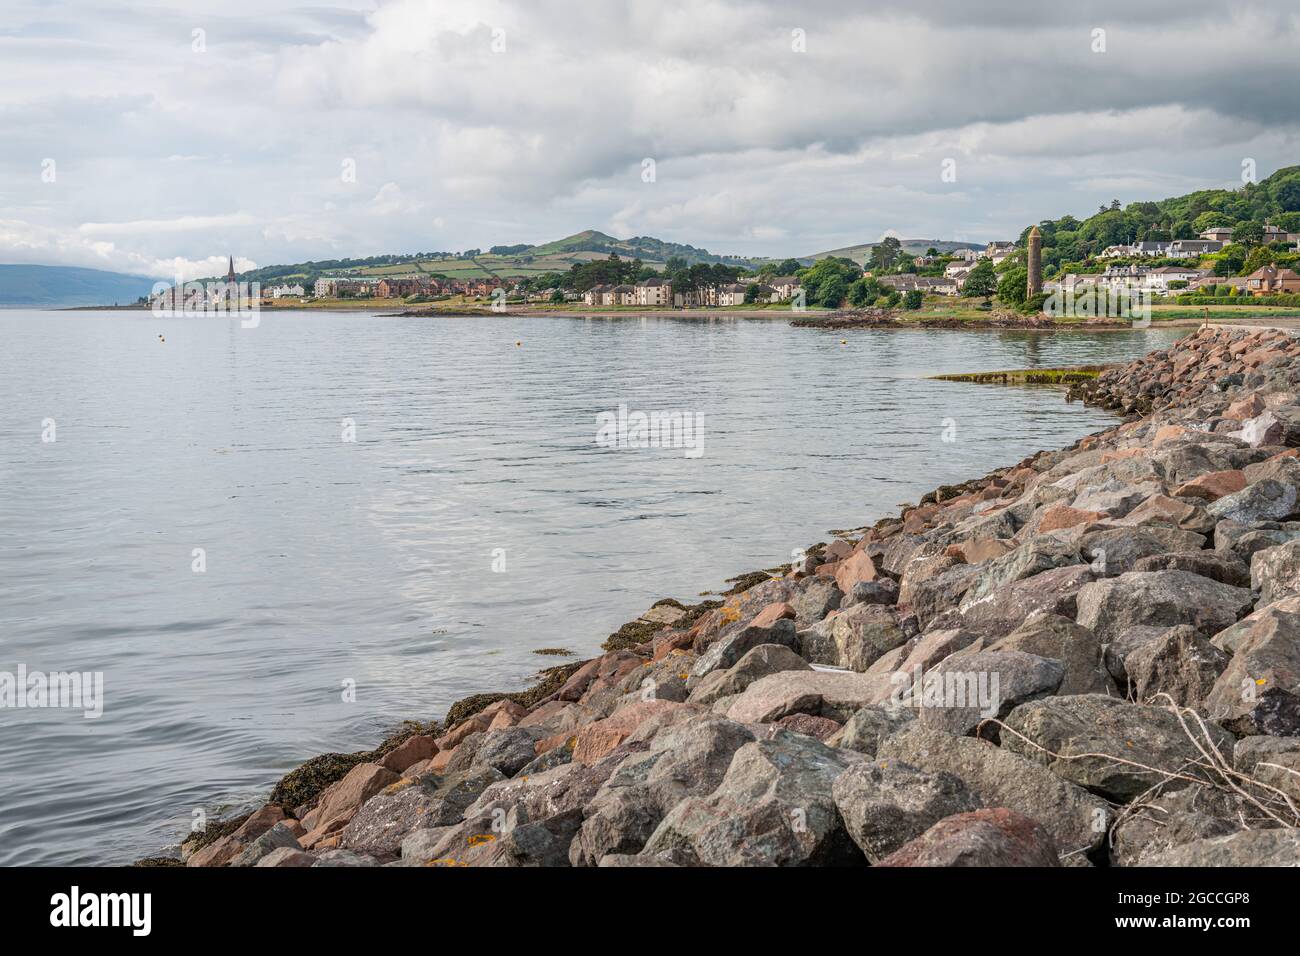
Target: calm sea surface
x,y
370,563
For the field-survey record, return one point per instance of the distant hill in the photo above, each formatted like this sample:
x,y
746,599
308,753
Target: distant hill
x,y
507,261
913,247
645,248
48,287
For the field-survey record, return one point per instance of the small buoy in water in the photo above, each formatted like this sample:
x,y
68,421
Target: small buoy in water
x,y
844,341
161,339
517,344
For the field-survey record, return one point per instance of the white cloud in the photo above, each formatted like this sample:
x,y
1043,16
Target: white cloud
x,y
165,154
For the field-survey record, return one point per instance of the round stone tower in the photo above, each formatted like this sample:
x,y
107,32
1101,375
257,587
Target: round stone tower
x,y
1035,261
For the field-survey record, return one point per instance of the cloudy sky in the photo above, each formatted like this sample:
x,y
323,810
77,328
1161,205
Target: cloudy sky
x,y
148,137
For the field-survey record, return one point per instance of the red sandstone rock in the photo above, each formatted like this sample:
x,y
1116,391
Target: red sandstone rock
x,y
773,613
993,837
408,752
347,795
858,567
1212,485
1063,516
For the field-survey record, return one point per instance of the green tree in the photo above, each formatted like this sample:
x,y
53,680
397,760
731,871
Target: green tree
x,y
913,299
1248,233
1259,257
885,254
1013,287
981,281
833,291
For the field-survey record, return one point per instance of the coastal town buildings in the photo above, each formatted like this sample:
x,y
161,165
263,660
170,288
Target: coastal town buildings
x,y
1270,280
654,292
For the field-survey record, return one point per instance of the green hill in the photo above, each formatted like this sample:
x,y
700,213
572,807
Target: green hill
x,y
912,247
51,287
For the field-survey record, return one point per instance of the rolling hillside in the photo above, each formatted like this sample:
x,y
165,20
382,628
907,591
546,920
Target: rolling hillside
x,y
50,287
913,247
520,260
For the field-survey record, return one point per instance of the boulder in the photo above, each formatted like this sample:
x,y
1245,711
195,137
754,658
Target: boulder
x,y
1162,598
277,837
1273,761
834,694
689,759
1061,639
1010,605
285,857
1076,819
1275,572
879,591
1265,500
344,798
964,690
1041,553
409,752
855,568
772,808
757,662
1180,663
943,591
992,837
508,751
380,826
1213,485
887,803
1222,566
1135,745
729,649
863,633
1168,820
817,599
1259,690
869,726
1247,848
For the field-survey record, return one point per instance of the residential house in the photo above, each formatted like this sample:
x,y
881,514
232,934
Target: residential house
x,y
732,294
1158,280
784,288
954,269
654,292
1154,249
965,255
1274,234
998,251
1218,234
1187,248
595,295
623,295
1270,280
1116,252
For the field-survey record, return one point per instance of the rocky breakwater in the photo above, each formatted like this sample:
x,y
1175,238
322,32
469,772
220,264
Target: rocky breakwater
x,y
1091,657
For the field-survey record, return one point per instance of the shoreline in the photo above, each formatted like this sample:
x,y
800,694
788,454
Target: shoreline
x,y
829,320
569,723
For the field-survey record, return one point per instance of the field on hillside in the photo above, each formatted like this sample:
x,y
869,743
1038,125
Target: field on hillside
x,y
481,267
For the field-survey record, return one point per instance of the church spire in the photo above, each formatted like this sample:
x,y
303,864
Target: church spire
x,y
230,273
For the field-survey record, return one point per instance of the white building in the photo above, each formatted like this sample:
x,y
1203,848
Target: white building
x,y
653,292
